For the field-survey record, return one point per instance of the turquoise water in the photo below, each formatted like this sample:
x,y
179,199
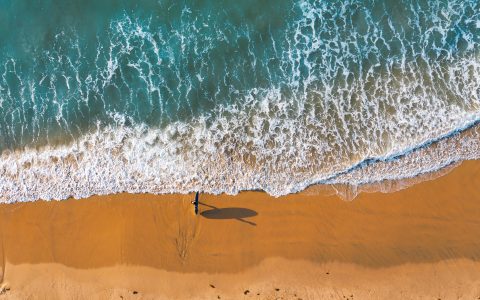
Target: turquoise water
x,y
79,62
173,96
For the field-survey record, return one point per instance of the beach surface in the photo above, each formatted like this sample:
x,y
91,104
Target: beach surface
x,y
419,242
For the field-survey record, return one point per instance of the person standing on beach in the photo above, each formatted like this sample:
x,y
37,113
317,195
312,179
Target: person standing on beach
x,y
195,202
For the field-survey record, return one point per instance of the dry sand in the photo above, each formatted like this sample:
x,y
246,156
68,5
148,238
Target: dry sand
x,y
421,242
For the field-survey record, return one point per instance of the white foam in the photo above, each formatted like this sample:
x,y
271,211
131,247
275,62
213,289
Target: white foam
x,y
142,160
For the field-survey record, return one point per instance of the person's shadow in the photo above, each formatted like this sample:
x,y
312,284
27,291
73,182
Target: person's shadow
x,y
237,213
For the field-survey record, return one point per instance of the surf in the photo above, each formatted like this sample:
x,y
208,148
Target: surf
x,y
225,100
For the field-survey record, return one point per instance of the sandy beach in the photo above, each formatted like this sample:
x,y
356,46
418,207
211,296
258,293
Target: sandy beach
x,y
417,243
334,145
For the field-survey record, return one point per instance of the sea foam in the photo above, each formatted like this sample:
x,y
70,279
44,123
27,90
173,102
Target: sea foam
x,y
141,160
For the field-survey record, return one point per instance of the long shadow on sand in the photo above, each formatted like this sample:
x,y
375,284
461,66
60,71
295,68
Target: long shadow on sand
x,y
237,213
435,221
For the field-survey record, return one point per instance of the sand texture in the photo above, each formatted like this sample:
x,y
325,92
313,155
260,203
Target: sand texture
x,y
420,242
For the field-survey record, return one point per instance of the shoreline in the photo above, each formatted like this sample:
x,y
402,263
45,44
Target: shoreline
x,y
73,172
418,238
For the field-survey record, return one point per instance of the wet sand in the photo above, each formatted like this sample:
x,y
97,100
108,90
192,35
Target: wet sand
x,y
420,242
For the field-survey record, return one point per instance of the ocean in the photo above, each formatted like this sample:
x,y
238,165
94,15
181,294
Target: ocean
x,y
108,96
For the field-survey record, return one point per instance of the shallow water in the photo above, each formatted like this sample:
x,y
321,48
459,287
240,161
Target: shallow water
x,y
99,97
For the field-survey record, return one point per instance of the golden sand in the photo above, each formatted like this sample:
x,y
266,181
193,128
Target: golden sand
x,y
420,242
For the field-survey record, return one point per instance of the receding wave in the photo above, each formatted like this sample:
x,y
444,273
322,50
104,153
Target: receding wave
x,y
141,160
225,100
